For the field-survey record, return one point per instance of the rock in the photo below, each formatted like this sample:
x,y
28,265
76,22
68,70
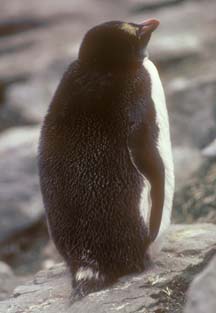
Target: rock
x,y
202,292
10,27
8,281
148,5
210,150
26,103
23,233
196,201
161,288
30,252
168,50
187,158
21,206
50,255
191,106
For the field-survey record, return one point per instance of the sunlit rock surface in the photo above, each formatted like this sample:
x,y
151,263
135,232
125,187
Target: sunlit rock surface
x,y
201,295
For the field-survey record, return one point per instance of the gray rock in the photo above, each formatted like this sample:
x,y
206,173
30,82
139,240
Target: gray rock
x,y
196,201
26,103
168,49
20,206
161,288
187,158
6,280
192,112
202,292
145,5
210,150
9,281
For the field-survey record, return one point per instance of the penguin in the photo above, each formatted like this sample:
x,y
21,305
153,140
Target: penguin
x,y
105,158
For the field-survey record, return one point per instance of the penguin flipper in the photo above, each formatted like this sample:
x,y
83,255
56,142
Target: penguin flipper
x,y
146,159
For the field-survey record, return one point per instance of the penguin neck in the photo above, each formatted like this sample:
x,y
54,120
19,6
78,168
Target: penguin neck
x,y
110,82
95,91
116,69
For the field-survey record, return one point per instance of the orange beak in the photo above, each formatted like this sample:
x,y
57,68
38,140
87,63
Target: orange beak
x,y
148,26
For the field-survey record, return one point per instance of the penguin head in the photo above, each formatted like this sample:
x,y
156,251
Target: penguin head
x,y
117,44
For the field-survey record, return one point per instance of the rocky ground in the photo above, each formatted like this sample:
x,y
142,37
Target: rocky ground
x,y
38,41
161,289
196,201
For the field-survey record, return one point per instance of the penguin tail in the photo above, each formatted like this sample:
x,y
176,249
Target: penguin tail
x,y
86,281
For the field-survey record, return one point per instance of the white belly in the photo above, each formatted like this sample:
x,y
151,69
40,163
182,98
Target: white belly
x,y
164,147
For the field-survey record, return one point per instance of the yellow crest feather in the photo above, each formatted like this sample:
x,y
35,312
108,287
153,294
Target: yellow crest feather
x,y
129,28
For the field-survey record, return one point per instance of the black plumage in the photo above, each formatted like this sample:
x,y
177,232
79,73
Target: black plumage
x,y
98,142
